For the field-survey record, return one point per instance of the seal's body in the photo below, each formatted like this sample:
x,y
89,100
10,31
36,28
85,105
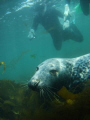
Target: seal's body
x,y
55,73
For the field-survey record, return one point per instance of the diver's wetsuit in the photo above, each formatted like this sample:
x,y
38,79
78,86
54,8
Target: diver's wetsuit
x,y
49,20
68,1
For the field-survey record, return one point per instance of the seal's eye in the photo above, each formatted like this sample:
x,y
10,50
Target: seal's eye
x,y
53,72
37,68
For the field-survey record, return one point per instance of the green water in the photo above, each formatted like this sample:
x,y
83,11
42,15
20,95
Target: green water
x,y
17,51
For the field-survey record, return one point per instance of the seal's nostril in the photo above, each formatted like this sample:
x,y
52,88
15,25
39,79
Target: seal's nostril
x,y
33,84
36,83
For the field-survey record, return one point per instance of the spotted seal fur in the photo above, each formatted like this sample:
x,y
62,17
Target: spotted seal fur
x,y
57,72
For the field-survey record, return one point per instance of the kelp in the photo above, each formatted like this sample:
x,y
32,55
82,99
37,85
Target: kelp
x,y
15,60
33,56
4,66
20,103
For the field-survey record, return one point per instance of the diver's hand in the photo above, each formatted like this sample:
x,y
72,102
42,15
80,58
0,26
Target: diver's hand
x,y
31,34
66,24
66,12
67,16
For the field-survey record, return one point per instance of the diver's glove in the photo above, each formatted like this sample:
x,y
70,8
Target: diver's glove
x,y
66,24
67,16
31,34
66,12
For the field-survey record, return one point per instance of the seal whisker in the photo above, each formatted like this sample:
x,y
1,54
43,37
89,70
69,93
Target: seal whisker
x,y
52,87
55,95
42,93
47,92
52,94
23,86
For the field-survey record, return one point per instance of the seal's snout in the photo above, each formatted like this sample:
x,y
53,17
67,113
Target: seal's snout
x,y
33,84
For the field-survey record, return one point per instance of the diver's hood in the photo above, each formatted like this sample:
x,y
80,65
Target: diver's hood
x,y
39,7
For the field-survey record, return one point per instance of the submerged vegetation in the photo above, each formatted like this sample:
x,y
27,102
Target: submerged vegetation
x,y
20,103
15,60
4,66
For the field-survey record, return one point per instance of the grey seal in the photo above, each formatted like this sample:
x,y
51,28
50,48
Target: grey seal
x,y
54,73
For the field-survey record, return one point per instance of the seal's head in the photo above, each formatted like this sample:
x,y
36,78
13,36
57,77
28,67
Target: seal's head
x,y
47,76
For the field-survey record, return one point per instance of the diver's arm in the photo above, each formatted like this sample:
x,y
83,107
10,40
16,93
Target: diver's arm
x,y
35,23
67,15
58,13
61,14
66,12
68,2
31,34
66,9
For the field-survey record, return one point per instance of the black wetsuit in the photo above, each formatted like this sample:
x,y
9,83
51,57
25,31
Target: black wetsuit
x,y
49,20
68,1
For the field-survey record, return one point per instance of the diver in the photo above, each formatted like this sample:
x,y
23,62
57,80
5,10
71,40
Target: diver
x,y
48,18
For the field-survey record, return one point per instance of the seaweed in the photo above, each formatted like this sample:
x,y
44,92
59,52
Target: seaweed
x,y
18,103
4,66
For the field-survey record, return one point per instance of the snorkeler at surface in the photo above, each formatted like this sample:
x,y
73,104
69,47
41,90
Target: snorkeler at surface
x,y
48,18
